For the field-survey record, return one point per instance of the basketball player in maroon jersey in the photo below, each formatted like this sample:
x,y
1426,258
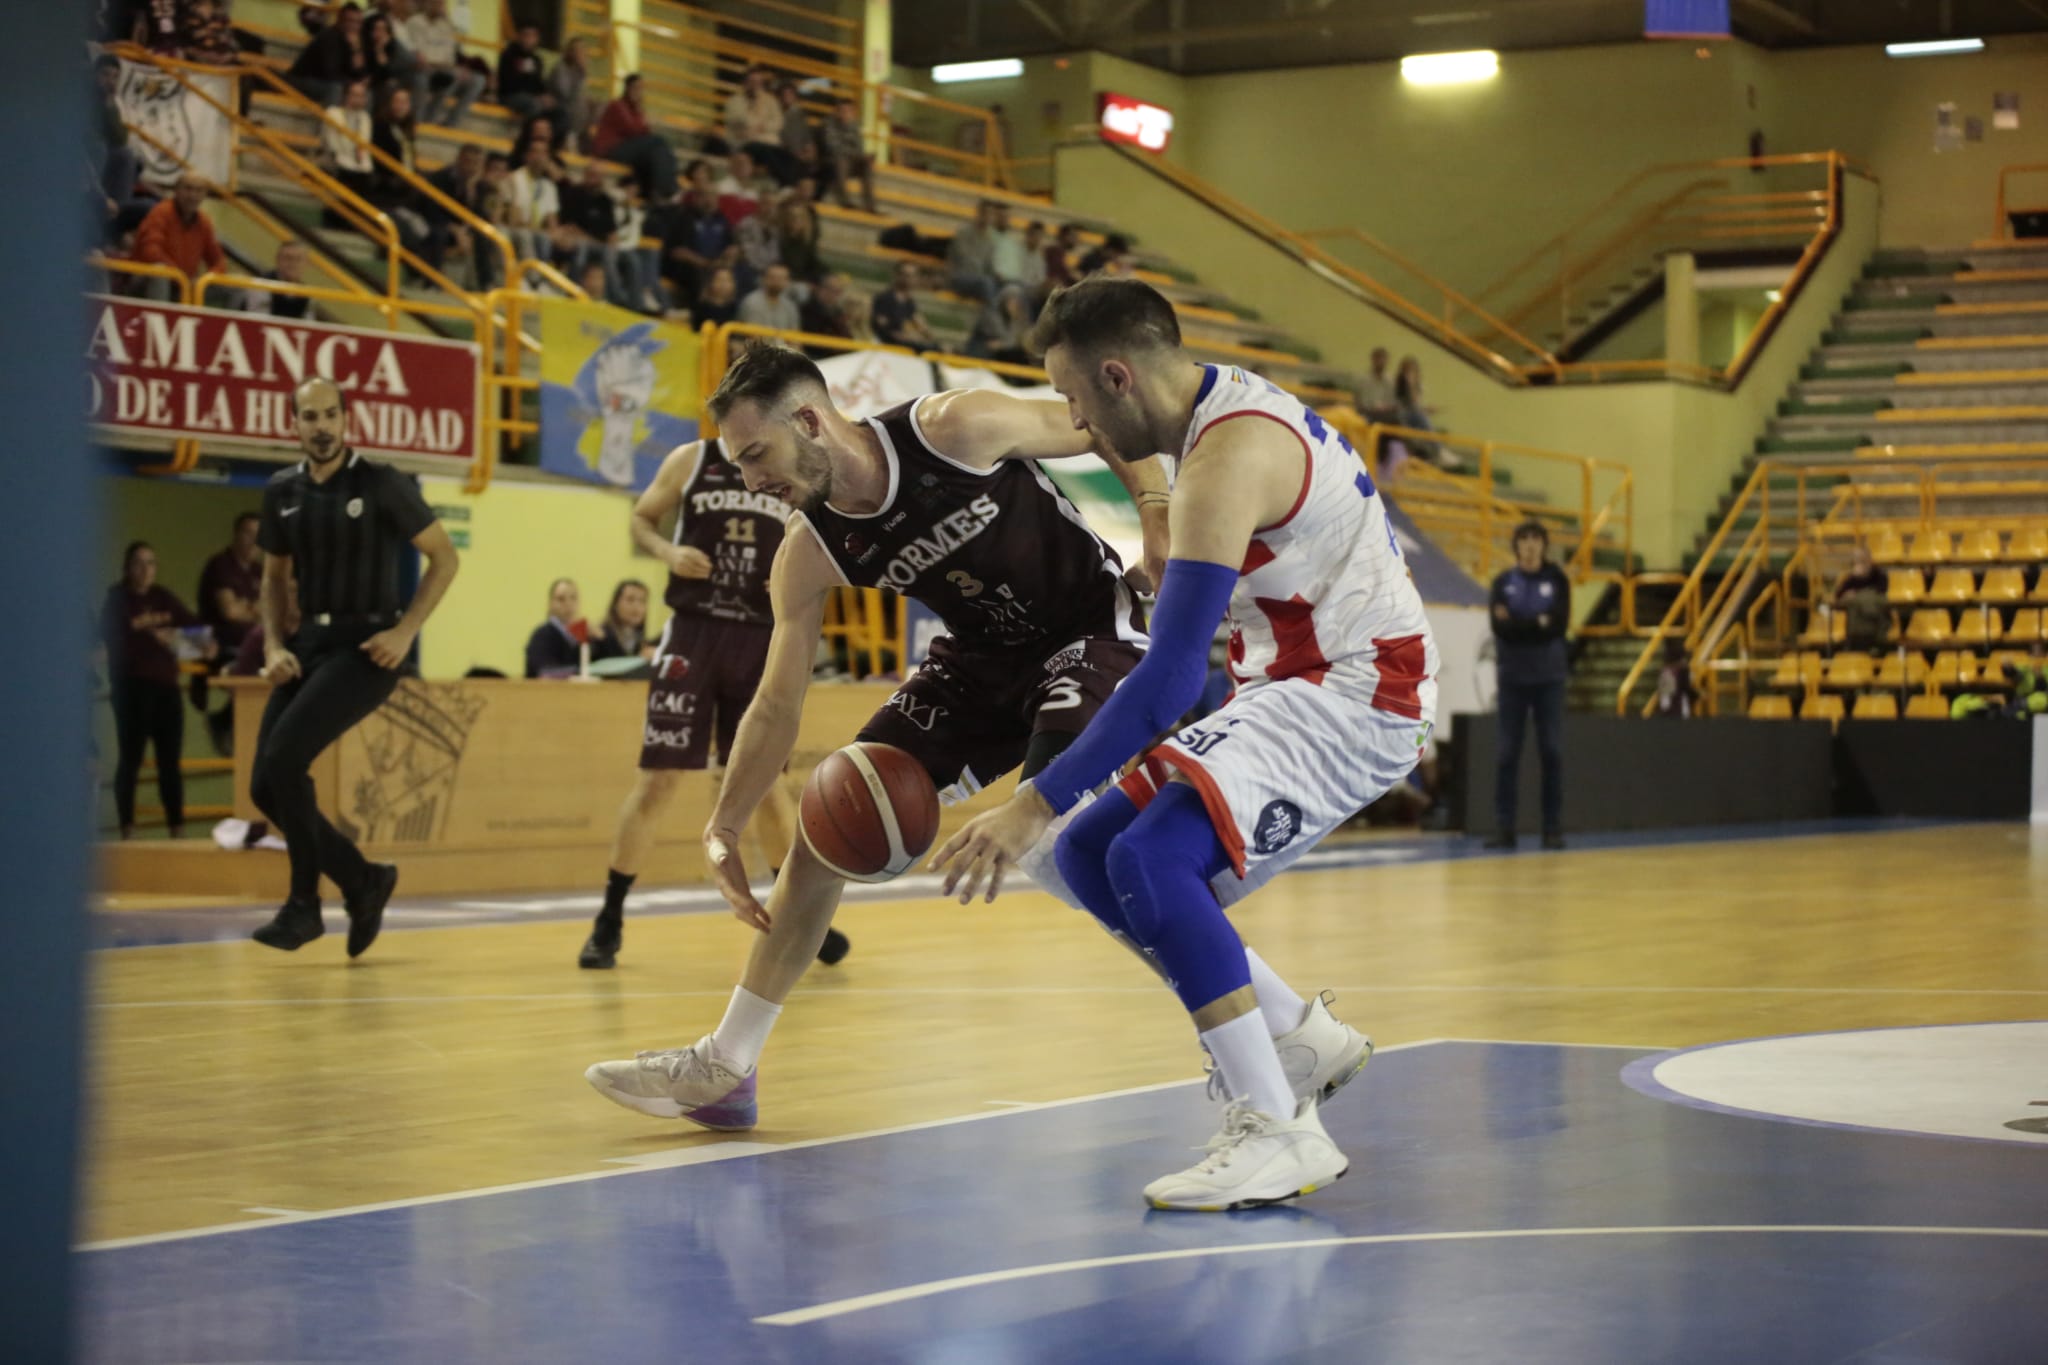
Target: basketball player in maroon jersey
x,y
939,499
708,662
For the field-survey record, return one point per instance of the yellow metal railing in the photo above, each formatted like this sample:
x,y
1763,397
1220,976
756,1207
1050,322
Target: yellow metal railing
x,y
2012,199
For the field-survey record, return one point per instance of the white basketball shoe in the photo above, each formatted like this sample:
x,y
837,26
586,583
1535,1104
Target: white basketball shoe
x,y
680,1083
1256,1159
1320,1055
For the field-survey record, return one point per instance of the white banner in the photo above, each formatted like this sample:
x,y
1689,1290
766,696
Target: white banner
x,y
864,383
180,127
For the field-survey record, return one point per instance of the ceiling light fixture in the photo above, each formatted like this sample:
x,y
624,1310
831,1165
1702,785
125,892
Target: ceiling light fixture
x,y
955,72
1450,68
1940,48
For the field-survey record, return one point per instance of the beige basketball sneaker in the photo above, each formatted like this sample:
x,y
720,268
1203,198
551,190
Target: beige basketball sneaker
x,y
680,1083
1320,1055
1256,1159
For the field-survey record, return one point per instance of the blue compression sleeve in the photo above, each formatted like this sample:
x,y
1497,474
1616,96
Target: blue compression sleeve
x,y
1159,690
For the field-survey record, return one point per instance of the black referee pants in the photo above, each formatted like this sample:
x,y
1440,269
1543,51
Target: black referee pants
x,y
337,689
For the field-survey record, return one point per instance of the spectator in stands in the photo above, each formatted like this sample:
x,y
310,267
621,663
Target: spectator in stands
x,y
799,139
596,286
1531,609
139,625
796,235
742,188
228,586
444,88
1676,695
288,267
697,240
1031,275
592,217
824,312
394,133
178,233
719,303
999,329
205,34
1107,258
494,204
521,86
1375,392
450,244
555,649
1860,596
1006,249
854,308
568,84
753,119
760,247
894,314
624,135
844,155
334,58
970,258
1059,257
390,65
114,163
532,203
624,633
346,137
772,305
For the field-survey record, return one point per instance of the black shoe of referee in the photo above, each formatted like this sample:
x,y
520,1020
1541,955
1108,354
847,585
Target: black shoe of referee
x,y
836,946
366,907
296,924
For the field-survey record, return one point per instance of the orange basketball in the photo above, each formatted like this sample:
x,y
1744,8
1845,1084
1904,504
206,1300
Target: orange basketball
x,y
869,811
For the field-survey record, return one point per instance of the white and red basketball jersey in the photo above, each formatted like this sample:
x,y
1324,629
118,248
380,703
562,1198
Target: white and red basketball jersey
x,y
1323,594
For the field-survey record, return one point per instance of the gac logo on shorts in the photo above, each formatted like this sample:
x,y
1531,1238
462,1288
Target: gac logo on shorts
x,y
682,704
1277,827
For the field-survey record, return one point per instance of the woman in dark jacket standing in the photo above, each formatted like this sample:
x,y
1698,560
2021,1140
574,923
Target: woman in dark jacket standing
x,y
1531,609
139,623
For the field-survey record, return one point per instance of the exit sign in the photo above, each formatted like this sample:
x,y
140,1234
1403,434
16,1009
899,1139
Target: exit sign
x,y
1124,119
1685,18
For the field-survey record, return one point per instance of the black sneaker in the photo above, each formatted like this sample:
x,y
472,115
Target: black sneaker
x,y
1506,841
366,907
601,949
1553,840
836,946
296,924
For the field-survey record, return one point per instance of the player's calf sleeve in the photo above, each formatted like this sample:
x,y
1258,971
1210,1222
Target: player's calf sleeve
x,y
1159,869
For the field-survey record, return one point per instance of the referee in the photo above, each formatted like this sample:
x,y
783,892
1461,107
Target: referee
x,y
342,524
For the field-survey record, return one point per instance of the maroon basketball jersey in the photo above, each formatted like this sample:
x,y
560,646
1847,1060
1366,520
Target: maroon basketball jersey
x,y
999,554
740,531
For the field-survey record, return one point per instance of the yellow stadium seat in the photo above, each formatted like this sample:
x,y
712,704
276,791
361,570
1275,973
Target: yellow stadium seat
x,y
2002,585
1929,628
1925,707
1770,707
1930,547
1898,670
1995,665
2029,542
1826,706
1875,706
1980,545
1883,544
1952,586
2040,592
1848,671
1905,587
1796,671
2025,627
1977,628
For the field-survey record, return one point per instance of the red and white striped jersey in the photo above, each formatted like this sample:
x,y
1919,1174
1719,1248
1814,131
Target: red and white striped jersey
x,y
1323,594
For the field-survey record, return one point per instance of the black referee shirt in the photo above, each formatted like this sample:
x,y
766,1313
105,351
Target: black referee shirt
x,y
346,537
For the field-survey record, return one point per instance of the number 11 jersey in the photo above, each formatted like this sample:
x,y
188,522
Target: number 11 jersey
x,y
739,531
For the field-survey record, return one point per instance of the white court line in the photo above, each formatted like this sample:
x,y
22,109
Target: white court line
x,y
796,1317
645,1163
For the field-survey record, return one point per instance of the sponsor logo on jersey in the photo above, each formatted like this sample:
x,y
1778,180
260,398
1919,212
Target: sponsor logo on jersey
x,y
923,714
855,546
737,500
1277,827
939,544
355,509
1073,656
895,521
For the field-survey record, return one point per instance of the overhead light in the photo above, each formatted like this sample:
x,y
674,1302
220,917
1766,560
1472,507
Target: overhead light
x,y
1939,48
954,72
1463,16
1450,68
1774,294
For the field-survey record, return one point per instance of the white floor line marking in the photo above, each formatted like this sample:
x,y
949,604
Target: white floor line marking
x,y
694,1156
861,1303
1010,1104
275,1212
417,1201
1538,1042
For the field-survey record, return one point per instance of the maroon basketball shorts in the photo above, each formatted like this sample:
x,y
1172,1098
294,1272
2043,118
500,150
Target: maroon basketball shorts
x,y
969,716
705,673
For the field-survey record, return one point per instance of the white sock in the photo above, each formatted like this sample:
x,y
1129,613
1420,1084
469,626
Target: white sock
x,y
740,1036
1282,1008
1251,1068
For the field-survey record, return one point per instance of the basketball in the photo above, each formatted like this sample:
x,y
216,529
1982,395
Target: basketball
x,y
869,812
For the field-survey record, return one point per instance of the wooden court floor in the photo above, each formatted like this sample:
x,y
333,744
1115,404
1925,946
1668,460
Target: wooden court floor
x,y
230,1083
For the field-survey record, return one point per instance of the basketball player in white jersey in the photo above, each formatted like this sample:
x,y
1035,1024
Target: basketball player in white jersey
x,y
1274,521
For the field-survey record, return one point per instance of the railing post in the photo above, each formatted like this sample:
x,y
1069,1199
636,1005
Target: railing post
x,y
1486,507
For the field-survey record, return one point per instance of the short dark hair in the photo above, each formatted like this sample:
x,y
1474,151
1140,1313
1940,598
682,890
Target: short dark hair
x,y
628,84
1106,313
1531,528
496,159
243,518
764,373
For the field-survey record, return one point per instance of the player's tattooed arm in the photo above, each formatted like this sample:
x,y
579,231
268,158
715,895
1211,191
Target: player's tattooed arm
x,y
1145,481
662,497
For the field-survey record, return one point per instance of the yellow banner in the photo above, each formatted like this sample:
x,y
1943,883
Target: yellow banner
x,y
618,392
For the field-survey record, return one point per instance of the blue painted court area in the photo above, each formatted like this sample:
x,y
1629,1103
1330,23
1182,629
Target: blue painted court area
x,y
1506,1202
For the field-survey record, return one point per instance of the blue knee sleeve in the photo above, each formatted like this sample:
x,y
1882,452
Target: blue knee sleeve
x,y
1082,856
1160,869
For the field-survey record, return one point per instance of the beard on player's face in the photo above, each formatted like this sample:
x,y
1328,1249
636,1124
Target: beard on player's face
x,y
811,487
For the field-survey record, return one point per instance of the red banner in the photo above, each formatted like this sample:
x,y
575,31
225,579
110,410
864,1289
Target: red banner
x,y
160,369
1124,119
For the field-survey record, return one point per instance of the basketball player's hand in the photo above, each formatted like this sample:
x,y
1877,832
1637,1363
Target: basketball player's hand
x,y
689,562
280,666
388,648
991,843
729,874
